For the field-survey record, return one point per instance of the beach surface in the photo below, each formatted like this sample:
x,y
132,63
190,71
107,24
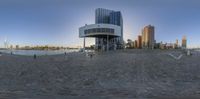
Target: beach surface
x,y
123,74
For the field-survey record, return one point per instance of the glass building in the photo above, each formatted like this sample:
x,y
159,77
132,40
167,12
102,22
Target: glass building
x,y
105,16
107,30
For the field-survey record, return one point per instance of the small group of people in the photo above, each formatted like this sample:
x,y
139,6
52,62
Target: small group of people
x,y
34,56
90,54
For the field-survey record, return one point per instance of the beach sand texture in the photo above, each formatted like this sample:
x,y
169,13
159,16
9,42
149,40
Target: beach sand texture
x,y
124,74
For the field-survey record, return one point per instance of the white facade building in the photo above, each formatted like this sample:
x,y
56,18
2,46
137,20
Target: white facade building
x,y
95,30
107,30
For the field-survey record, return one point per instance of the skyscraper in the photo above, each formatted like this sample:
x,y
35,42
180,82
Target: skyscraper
x,y
107,30
136,44
148,39
139,41
184,42
177,42
105,16
17,47
102,16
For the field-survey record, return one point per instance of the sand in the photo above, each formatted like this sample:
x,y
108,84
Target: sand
x,y
125,74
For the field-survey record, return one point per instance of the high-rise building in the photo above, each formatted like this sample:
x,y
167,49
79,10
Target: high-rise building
x,y
143,38
17,47
135,44
139,41
102,16
177,42
148,39
105,16
11,46
184,42
107,30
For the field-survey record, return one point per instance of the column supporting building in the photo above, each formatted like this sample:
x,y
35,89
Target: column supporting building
x,y
84,44
107,43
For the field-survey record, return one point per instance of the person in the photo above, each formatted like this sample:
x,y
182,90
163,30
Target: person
x,y
188,53
91,55
34,56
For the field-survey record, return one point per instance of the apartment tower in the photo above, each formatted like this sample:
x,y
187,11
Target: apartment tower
x,y
148,37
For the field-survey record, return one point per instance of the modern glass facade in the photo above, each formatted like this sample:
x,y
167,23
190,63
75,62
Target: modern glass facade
x,y
115,18
99,30
102,16
148,39
107,30
105,16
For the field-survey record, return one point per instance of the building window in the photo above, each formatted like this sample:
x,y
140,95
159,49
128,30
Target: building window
x,y
107,30
112,31
99,30
86,31
90,31
103,29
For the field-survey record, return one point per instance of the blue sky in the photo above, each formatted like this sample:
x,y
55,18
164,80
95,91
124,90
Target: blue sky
x,y
56,22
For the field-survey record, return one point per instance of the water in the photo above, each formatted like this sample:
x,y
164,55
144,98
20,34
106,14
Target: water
x,y
38,52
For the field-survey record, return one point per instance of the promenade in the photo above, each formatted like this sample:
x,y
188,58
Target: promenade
x,y
123,74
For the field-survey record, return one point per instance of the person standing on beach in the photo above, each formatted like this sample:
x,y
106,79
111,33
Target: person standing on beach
x,y
34,56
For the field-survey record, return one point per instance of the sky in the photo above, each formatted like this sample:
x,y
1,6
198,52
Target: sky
x,y
56,22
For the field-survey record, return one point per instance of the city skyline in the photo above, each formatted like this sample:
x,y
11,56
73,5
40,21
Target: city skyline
x,y
56,22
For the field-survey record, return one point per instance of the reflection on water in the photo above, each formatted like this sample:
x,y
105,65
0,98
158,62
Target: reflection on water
x,y
38,52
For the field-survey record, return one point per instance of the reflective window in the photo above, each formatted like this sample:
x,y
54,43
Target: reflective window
x,y
99,30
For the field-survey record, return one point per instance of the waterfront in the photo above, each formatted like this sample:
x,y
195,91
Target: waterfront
x,y
123,74
38,52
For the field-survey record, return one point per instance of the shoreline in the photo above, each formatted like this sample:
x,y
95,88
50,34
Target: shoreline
x,y
63,52
37,52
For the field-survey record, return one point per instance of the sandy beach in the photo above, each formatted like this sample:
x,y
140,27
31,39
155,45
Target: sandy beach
x,y
124,74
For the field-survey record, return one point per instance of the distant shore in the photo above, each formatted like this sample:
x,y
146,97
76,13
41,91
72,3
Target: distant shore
x,y
37,52
64,51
